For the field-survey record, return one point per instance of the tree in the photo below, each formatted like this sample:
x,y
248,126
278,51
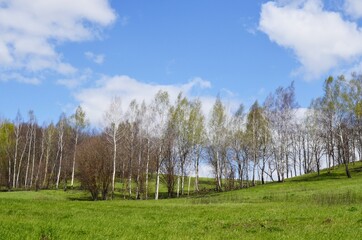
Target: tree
x,y
181,126
216,138
17,131
79,122
160,108
343,119
61,128
257,135
280,109
146,127
6,143
49,142
238,142
113,118
95,166
132,125
196,125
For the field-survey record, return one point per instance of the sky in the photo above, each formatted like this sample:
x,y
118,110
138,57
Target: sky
x,y
58,54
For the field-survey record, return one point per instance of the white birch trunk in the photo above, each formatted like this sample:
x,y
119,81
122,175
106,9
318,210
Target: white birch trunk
x,y
197,172
147,164
61,133
157,183
158,174
46,164
114,162
73,165
33,160
40,159
15,154
29,156
21,161
138,174
178,186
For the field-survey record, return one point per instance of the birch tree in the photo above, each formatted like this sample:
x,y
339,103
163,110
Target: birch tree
x,y
61,127
216,138
79,123
197,131
17,131
146,128
31,124
113,118
132,117
49,138
160,107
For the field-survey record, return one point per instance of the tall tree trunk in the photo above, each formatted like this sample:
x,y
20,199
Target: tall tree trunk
x,y
60,148
29,156
138,172
197,172
74,156
218,187
9,172
60,164
33,160
20,163
15,157
130,171
178,186
40,160
46,164
147,164
114,164
157,180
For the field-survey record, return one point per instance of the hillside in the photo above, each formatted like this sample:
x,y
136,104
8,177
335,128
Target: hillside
x,y
328,206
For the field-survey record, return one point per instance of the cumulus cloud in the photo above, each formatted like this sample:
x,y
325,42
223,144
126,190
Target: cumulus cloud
x,y
321,40
353,8
95,100
30,31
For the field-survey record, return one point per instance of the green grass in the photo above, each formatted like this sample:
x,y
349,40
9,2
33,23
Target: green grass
x,y
328,206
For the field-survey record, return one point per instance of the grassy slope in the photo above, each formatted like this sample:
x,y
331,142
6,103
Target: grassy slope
x,y
307,207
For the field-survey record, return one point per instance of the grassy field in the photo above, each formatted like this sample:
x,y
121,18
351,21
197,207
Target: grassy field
x,y
308,207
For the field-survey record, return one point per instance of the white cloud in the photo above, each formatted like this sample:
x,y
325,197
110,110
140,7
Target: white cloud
x,y
30,31
321,40
97,58
353,8
76,80
19,78
96,100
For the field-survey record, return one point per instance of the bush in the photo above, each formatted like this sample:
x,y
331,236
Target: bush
x,y
95,167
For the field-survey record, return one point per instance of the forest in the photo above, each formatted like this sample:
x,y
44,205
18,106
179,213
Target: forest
x,y
170,142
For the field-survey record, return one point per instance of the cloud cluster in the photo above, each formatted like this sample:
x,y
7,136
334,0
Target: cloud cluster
x,y
321,40
95,100
30,31
353,8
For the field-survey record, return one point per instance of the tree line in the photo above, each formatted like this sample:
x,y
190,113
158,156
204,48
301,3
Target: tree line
x,y
170,142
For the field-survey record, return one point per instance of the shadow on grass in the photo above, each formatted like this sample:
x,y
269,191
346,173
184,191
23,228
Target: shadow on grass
x,y
321,177
82,199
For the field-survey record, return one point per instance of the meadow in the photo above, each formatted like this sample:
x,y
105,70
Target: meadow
x,y
328,206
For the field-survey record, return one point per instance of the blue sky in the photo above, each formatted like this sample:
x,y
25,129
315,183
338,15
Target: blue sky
x,y
55,55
